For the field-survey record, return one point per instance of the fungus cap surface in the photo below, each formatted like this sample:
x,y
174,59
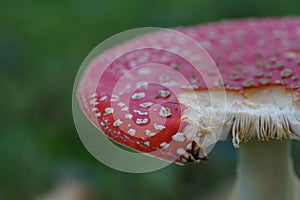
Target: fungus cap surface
x,y
259,60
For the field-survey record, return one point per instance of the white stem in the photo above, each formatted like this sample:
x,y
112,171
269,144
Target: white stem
x,y
265,171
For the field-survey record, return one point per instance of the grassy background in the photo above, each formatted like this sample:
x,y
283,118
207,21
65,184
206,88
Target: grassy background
x,y
42,44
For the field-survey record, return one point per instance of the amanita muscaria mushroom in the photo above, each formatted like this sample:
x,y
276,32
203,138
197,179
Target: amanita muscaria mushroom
x,y
153,111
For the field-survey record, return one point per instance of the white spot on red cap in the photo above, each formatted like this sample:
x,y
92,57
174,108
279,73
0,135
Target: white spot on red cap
x,y
264,81
128,116
258,74
141,121
144,71
140,112
194,79
290,55
294,86
132,64
163,93
131,132
139,95
164,145
93,95
179,137
164,78
249,83
103,98
118,122
128,86
218,83
176,66
146,104
159,127
286,73
181,151
94,102
294,77
121,104
114,98
125,108
142,84
109,110
94,109
147,143
165,112
149,133
169,84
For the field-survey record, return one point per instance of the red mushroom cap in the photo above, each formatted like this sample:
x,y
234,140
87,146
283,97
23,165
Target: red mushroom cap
x,y
251,53
139,102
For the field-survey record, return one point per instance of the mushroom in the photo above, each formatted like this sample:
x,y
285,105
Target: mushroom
x,y
259,61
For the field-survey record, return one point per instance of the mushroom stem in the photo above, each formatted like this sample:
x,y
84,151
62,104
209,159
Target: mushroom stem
x,y
265,171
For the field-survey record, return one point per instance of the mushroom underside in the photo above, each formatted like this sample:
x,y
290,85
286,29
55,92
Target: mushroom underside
x,y
264,113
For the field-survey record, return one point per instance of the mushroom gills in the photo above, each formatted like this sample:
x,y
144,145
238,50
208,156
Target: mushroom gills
x,y
265,113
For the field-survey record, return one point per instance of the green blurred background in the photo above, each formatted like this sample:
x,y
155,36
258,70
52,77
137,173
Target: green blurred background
x,y
42,44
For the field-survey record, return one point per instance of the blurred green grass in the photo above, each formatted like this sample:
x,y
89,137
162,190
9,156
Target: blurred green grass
x,y
42,44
